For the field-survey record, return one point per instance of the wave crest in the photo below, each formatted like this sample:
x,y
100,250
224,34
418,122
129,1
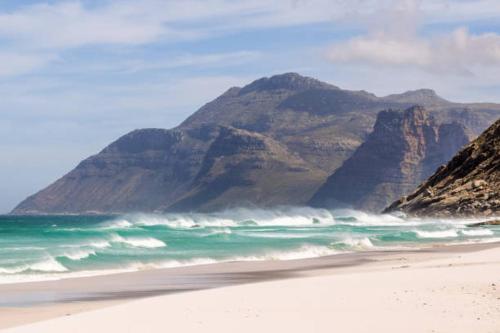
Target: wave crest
x,y
146,242
436,234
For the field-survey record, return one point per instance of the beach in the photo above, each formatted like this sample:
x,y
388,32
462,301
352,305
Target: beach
x,y
436,289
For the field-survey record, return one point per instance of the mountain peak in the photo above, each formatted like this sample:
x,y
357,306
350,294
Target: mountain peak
x,y
426,97
287,81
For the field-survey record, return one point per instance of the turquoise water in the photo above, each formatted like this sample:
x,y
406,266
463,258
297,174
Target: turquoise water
x,y
52,247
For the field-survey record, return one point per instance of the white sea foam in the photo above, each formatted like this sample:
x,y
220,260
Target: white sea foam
x,y
13,270
78,254
100,244
179,221
304,252
21,278
277,235
173,263
219,231
118,224
284,216
47,265
437,234
145,242
350,243
362,218
287,216
477,232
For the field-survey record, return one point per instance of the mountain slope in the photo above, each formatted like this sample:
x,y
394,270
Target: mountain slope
x,y
469,185
404,148
141,171
315,123
246,165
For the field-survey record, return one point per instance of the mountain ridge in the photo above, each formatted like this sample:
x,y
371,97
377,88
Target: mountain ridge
x,y
150,170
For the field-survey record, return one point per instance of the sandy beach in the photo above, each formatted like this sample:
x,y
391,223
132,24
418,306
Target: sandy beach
x,y
441,289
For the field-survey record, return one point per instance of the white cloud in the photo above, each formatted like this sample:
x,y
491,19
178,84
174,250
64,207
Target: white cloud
x,y
458,52
71,24
39,29
33,31
393,39
382,50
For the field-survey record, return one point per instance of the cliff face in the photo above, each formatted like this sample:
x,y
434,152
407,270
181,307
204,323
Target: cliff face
x,y
316,126
469,185
404,148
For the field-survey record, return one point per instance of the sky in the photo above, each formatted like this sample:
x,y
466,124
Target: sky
x,y
75,75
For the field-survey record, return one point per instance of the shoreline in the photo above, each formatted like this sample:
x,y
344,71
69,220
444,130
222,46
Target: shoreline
x,y
30,302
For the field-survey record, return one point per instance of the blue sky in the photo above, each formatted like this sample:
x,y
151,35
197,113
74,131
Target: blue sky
x,y
75,75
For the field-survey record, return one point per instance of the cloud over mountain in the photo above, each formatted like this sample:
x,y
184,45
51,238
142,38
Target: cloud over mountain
x,y
458,52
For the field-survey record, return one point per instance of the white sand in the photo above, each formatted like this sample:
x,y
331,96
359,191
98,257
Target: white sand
x,y
457,293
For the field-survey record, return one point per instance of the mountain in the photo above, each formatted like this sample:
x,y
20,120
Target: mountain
x,y
467,186
426,97
251,166
307,129
404,148
141,171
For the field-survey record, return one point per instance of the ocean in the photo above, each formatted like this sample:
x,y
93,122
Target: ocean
x,y
35,248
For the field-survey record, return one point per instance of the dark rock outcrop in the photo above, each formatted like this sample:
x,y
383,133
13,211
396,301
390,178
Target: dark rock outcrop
x,y
469,185
316,125
484,224
404,148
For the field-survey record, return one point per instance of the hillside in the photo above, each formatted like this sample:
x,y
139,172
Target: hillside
x,y
469,185
404,148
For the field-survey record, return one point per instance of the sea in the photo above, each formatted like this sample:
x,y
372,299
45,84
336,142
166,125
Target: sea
x,y
37,248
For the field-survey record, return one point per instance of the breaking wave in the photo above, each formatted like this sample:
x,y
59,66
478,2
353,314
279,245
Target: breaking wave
x,y
436,234
477,232
70,246
78,254
147,242
349,243
46,265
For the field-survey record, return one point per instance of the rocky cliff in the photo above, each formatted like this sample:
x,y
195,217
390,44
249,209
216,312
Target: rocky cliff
x,y
469,185
404,148
316,126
